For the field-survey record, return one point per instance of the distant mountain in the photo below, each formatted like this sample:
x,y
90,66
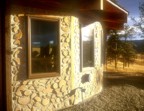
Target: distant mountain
x,y
139,45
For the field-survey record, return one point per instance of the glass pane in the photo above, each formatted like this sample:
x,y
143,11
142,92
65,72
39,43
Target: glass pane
x,y
44,46
88,46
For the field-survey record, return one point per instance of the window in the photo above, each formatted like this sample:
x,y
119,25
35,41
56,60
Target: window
x,y
87,46
43,45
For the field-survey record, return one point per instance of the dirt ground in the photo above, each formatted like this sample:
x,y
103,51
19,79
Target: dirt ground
x,y
136,67
121,92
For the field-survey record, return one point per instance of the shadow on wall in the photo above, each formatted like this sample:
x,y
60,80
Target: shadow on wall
x,y
72,93
85,78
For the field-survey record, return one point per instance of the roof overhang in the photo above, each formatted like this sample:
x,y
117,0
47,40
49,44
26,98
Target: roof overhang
x,y
110,14
118,12
112,7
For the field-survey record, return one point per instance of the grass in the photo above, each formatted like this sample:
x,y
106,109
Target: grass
x,y
134,68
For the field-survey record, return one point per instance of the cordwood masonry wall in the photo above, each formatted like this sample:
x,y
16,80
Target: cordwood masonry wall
x,y
50,94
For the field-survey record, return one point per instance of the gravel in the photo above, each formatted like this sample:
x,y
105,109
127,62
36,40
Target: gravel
x,y
121,92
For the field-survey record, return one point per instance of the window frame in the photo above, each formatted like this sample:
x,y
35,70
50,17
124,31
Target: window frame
x,y
45,74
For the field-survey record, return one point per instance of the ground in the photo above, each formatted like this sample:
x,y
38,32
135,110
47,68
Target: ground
x,y
121,92
135,67
123,89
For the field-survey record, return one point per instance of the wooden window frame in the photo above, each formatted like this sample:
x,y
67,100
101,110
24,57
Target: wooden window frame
x,y
45,74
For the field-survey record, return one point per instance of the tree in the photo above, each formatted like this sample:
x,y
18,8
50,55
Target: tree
x,y
113,47
139,23
128,53
127,32
118,49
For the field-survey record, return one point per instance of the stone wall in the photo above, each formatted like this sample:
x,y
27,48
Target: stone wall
x,y
86,82
45,93
50,94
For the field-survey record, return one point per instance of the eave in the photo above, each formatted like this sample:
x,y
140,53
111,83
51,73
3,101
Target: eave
x,y
108,13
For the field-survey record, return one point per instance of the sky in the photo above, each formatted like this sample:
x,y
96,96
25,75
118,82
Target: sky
x,y
132,6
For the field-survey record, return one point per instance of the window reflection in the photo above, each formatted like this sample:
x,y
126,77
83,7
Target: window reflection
x,y
44,46
88,45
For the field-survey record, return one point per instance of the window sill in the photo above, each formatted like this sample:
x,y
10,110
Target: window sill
x,y
87,69
43,75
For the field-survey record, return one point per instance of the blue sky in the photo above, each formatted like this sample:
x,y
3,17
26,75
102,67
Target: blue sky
x,y
132,6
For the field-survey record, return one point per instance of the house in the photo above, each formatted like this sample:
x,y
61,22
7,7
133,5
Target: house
x,y
51,51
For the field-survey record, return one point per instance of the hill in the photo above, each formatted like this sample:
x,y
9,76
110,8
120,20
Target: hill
x,y
139,45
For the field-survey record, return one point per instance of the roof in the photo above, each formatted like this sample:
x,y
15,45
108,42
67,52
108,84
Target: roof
x,y
117,13
112,7
110,14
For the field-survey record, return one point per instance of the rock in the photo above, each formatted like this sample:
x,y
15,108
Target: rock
x,y
36,83
55,85
18,93
62,83
24,100
45,102
53,100
25,82
17,83
17,109
55,106
72,99
16,19
57,91
17,60
66,103
29,106
38,99
66,20
34,109
65,29
27,93
43,81
68,40
63,89
67,78
65,35
18,35
37,104
30,82
33,95
40,88
48,81
27,109
58,100
15,29
65,52
22,88
65,60
66,45
48,90
59,94
49,85
31,88
41,94
57,81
